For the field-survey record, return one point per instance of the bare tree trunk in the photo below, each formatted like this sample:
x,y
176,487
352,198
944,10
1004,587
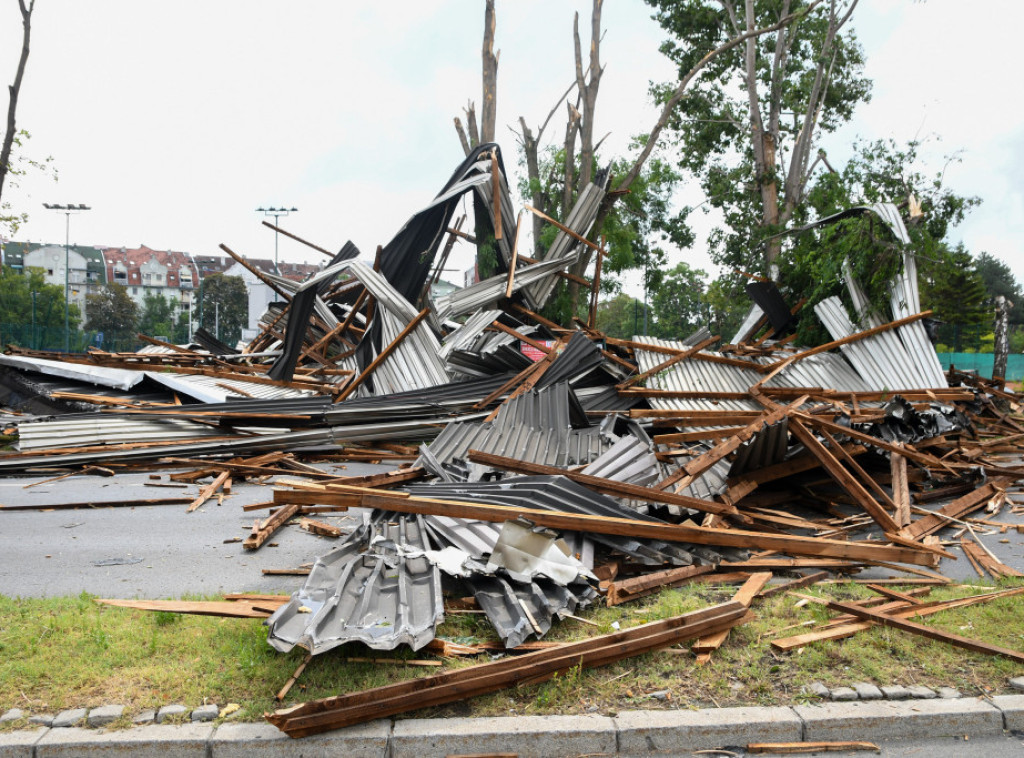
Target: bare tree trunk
x,y
670,105
489,112
15,89
1002,342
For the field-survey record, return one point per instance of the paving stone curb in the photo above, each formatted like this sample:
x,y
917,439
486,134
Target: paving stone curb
x,y
630,733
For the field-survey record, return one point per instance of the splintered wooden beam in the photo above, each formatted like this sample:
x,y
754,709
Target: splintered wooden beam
x,y
510,282
959,508
900,488
843,477
389,700
600,484
794,545
977,646
263,532
383,354
795,748
638,586
207,492
745,595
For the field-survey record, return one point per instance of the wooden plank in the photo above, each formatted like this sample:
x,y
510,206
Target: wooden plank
x,y
959,508
787,748
795,545
207,492
913,627
600,484
515,257
383,355
271,525
389,700
226,609
744,596
847,630
97,504
900,488
668,363
639,586
842,476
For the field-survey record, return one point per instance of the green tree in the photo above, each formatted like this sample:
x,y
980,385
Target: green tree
x,y
224,306
999,280
749,127
112,312
18,311
953,289
158,316
678,304
879,171
621,316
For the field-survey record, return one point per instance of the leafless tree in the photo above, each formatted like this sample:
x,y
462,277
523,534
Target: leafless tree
x,y
15,89
489,112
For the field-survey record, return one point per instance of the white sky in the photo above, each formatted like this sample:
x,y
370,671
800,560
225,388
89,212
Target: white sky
x,y
175,121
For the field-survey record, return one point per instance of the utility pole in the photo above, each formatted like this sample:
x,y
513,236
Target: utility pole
x,y
67,210
33,340
276,213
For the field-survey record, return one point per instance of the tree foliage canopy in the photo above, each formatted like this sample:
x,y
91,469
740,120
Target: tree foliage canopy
x,y
112,311
224,305
747,129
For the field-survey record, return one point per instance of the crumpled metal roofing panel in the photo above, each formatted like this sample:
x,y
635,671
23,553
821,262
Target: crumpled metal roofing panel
x,y
493,289
368,590
557,493
518,611
416,363
581,217
103,429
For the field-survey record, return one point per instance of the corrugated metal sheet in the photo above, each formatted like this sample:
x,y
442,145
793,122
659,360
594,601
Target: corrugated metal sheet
x,y
367,590
103,429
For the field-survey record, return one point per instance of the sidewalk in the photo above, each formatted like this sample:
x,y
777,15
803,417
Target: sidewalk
x,y
632,733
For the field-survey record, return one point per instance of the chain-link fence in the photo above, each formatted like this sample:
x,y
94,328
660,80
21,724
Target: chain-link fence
x,y
43,338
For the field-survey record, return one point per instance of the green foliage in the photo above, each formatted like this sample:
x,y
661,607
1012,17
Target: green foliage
x,y
621,316
879,171
159,315
711,127
16,303
953,289
679,304
635,230
224,299
112,311
999,280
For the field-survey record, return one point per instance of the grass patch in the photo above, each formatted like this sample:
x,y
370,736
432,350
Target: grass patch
x,y
69,652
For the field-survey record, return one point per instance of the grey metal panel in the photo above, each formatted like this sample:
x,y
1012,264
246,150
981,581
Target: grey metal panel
x,y
491,290
103,429
368,590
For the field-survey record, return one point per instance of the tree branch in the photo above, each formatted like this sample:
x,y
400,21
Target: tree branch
x,y
15,89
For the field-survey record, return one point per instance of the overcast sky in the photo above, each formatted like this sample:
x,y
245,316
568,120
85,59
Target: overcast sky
x,y
175,121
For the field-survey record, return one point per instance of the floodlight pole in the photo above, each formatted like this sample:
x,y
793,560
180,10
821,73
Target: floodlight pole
x,y
33,340
276,213
67,210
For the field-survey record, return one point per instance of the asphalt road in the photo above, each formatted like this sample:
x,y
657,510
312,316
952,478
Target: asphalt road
x,y
164,552
1008,746
146,552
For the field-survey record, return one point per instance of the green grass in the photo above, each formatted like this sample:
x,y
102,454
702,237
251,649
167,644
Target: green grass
x,y
72,652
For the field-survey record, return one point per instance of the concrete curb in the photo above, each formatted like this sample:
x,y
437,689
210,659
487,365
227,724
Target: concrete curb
x,y
629,733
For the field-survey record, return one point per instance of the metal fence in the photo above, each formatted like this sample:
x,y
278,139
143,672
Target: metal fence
x,y
42,338
982,364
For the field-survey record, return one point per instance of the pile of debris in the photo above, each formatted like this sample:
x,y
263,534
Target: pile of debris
x,y
543,469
